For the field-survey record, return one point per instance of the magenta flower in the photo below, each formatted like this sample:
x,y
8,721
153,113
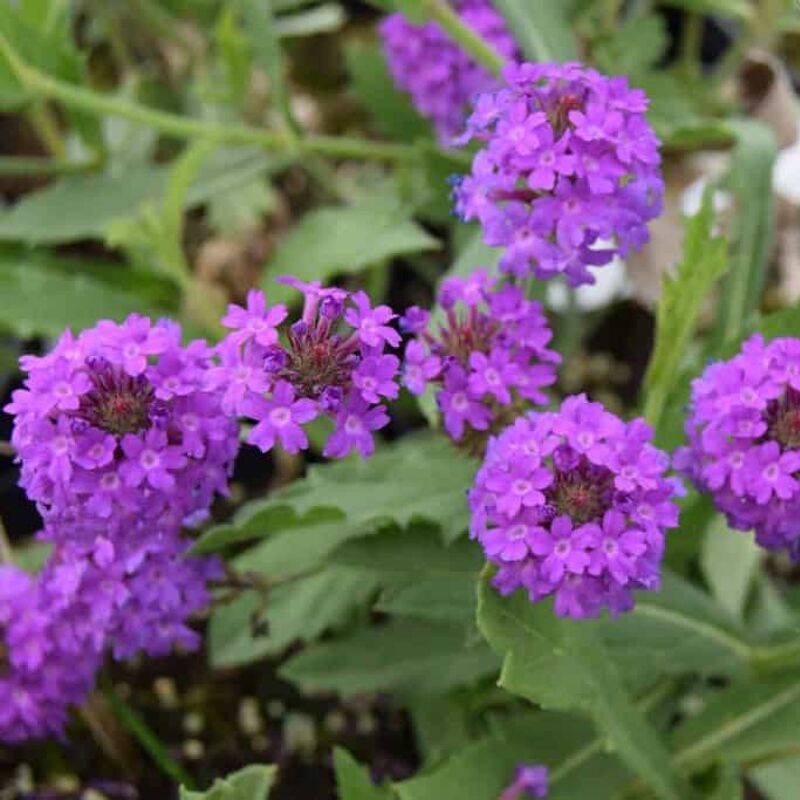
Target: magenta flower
x,y
489,352
355,423
280,419
442,79
371,323
530,780
568,175
333,355
256,322
549,513
744,440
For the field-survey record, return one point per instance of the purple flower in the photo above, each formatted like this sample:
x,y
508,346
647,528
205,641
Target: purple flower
x,y
441,78
147,440
280,418
354,425
375,377
326,359
458,408
568,176
371,323
530,780
419,368
550,513
744,440
490,350
256,322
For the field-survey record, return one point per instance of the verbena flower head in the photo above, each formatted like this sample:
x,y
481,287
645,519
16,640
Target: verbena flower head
x,y
488,356
570,172
744,440
49,652
331,362
574,504
129,596
119,423
530,780
441,78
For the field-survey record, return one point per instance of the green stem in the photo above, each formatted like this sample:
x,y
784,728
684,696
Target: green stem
x,y
22,165
777,656
691,43
187,128
46,127
146,737
6,553
462,34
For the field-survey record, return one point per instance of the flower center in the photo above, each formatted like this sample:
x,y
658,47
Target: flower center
x,y
117,402
460,402
279,417
786,428
583,494
353,424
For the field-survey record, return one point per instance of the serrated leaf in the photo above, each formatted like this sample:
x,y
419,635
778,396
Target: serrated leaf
x,y
326,18
344,240
248,629
392,111
745,722
676,630
37,297
406,656
635,46
682,296
419,478
353,781
250,783
578,766
81,207
729,560
542,29
536,645
779,780
754,227
440,599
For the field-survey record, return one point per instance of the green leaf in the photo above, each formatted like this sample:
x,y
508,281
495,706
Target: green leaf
x,y
536,645
729,560
419,478
32,556
371,230
542,29
578,766
779,780
260,24
392,111
414,552
754,227
682,296
39,297
676,630
81,207
748,721
327,18
440,599
738,9
353,781
248,629
636,45
405,656
250,783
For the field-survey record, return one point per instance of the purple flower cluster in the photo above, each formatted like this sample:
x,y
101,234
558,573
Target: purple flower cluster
x,y
54,629
530,780
570,172
574,504
121,424
744,440
331,363
441,78
488,355
122,440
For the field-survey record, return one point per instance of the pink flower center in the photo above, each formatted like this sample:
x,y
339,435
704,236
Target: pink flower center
x,y
353,425
149,459
280,417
